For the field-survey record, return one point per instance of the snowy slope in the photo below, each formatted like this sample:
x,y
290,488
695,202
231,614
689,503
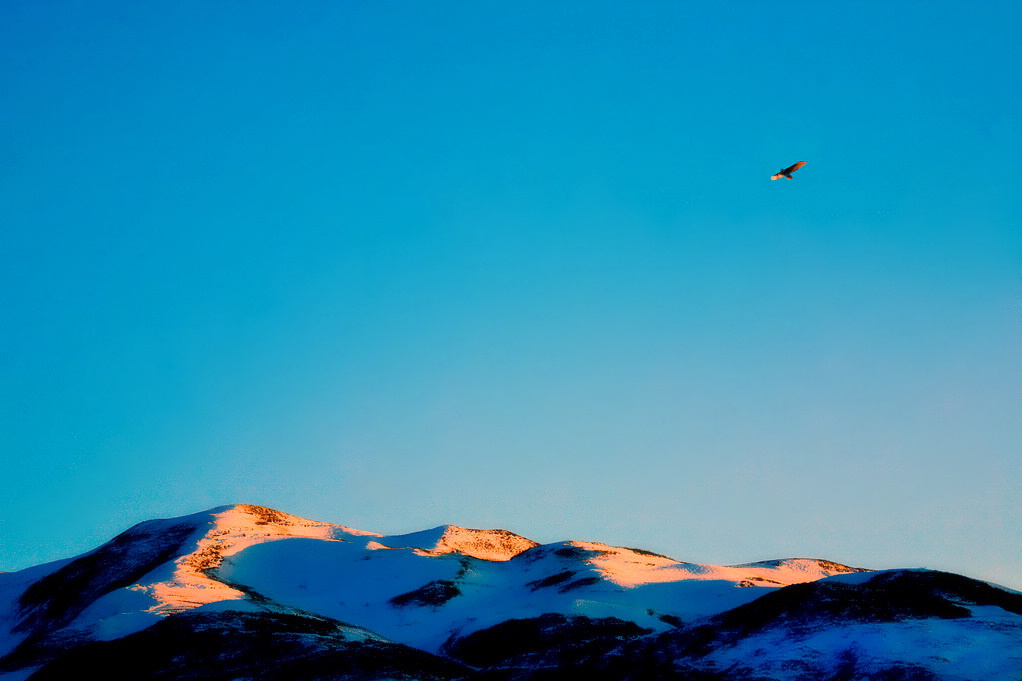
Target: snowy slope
x,y
903,623
441,590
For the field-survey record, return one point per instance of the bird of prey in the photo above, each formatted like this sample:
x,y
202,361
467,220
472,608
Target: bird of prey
x,y
786,172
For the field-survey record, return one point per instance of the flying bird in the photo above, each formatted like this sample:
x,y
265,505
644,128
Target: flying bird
x,y
786,172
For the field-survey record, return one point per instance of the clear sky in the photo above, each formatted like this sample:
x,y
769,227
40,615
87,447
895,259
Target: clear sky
x,y
518,265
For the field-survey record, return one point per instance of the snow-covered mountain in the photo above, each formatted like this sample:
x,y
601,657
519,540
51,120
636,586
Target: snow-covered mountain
x,y
249,592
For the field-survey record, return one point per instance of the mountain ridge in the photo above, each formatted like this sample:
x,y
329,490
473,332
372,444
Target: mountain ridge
x,y
462,595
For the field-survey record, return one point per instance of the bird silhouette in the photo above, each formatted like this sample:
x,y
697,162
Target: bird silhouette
x,y
786,172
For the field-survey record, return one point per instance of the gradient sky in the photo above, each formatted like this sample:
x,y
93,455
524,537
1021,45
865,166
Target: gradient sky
x,y
518,265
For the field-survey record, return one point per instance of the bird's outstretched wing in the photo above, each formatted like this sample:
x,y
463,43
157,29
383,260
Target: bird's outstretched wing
x,y
788,171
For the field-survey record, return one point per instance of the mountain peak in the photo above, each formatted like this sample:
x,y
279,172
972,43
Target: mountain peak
x,y
265,521
497,545
811,569
229,530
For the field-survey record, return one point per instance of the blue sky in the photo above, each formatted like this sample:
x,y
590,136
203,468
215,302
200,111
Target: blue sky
x,y
518,265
